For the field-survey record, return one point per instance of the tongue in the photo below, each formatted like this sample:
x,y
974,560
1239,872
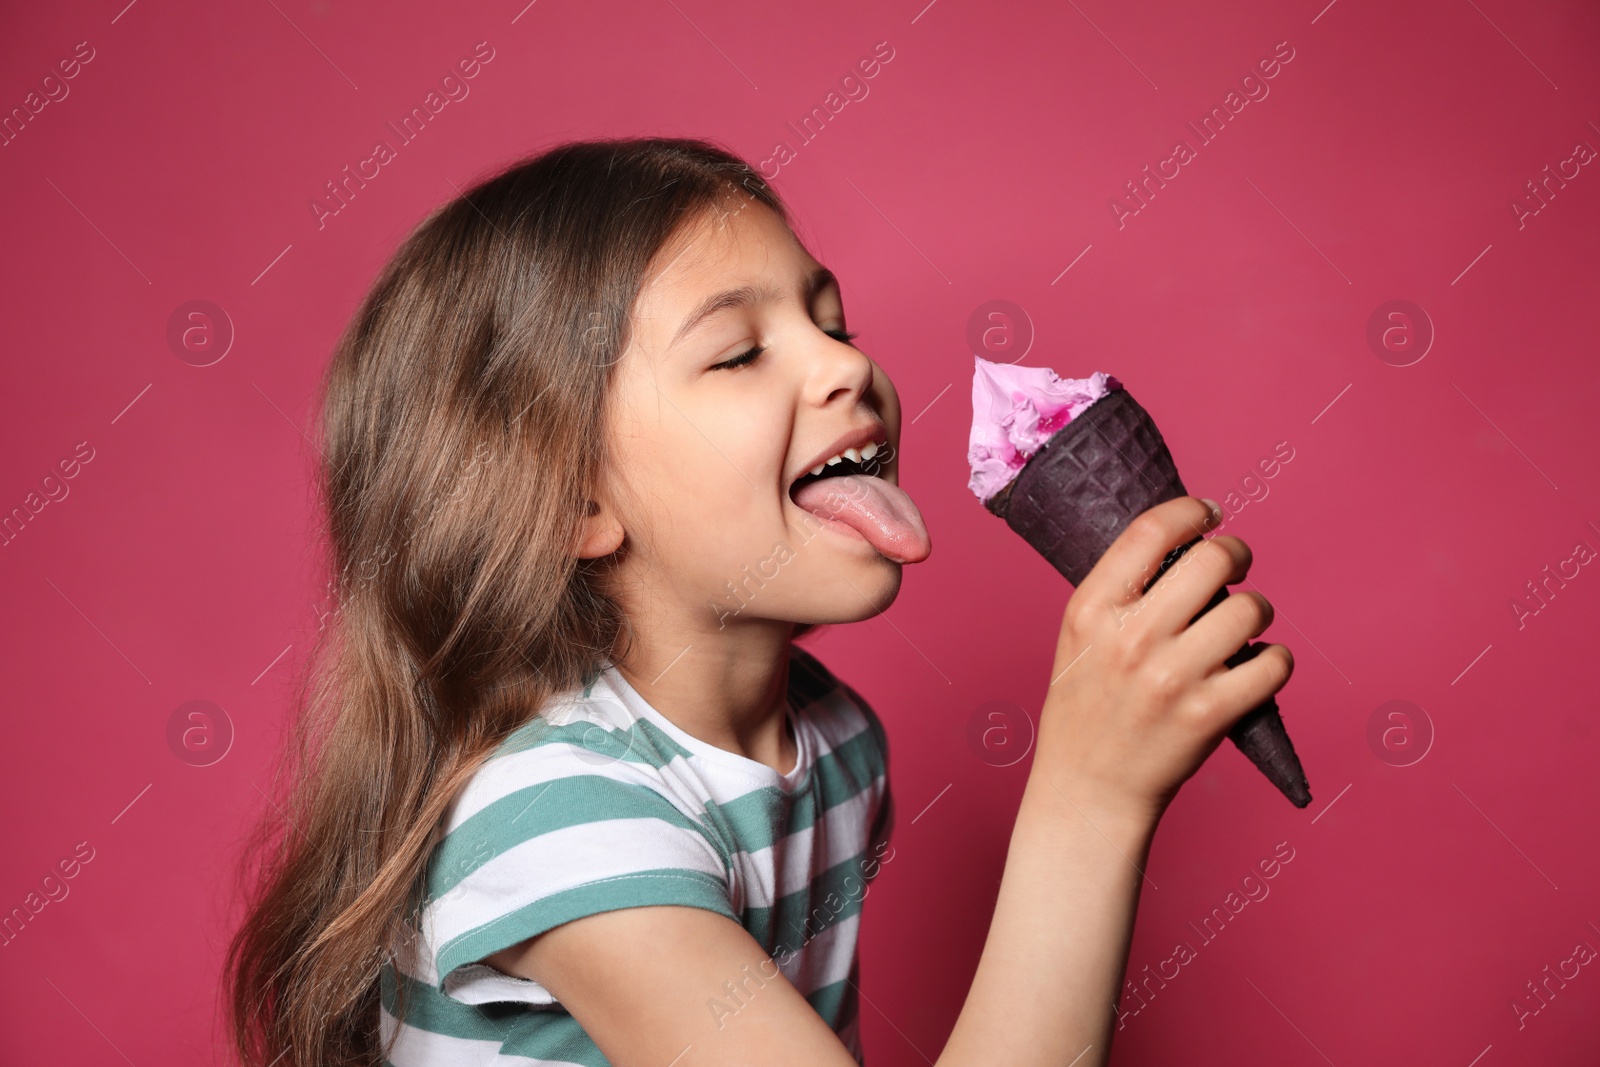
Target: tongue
x,y
878,511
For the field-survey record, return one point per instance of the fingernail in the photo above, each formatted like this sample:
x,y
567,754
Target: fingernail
x,y
1216,509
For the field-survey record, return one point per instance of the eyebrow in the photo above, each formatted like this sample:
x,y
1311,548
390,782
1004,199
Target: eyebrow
x,y
745,296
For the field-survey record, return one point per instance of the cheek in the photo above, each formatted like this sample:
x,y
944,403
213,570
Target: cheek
x,y
700,488
645,473
701,469
734,441
889,398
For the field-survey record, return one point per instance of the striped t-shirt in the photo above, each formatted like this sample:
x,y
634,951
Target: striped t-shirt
x,y
602,803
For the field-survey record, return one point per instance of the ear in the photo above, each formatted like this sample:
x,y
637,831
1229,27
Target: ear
x,y
601,534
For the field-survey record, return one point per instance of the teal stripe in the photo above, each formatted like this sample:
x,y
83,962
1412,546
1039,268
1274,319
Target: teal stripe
x,y
645,888
844,772
809,680
873,722
539,1035
883,825
641,742
831,1002
427,1008
556,1036
803,814
540,809
841,774
748,820
850,1006
799,916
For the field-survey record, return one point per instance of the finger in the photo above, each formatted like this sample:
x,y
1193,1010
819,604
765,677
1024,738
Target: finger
x,y
1120,576
1193,581
1224,630
1236,690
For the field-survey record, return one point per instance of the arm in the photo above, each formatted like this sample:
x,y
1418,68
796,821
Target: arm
x,y
642,981
1138,700
645,984
1058,943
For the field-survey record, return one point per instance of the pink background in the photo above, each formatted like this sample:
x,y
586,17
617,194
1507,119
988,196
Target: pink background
x,y
1382,166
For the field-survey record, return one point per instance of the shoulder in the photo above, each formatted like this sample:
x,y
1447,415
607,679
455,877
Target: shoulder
x,y
577,795
571,815
583,760
583,734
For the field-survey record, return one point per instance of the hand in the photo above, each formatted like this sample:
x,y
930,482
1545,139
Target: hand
x,y
1139,697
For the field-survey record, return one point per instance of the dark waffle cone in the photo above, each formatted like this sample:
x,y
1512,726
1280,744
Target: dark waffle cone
x,y
1081,490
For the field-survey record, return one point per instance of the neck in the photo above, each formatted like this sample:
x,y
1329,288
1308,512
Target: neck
x,y
726,686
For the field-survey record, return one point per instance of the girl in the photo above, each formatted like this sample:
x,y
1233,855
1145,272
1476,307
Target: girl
x,y
597,450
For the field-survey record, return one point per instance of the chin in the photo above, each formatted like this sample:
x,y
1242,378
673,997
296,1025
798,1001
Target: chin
x,y
869,592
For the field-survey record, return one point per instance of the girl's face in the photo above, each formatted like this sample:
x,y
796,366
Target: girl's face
x,y
737,382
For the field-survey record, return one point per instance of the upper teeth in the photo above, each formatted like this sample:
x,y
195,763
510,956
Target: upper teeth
x,y
852,454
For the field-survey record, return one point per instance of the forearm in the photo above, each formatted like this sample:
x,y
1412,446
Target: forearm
x,y
1058,944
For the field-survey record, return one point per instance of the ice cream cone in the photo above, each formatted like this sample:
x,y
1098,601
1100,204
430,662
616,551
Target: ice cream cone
x,y
1081,489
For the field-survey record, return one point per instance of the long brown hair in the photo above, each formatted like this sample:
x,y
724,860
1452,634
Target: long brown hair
x,y
462,436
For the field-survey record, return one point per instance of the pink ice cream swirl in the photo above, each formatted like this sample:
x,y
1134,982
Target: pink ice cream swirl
x,y
1014,412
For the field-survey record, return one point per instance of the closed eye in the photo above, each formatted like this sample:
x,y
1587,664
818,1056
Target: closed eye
x,y
749,356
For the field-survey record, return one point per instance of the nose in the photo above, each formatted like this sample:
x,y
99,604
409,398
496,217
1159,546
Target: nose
x,y
838,372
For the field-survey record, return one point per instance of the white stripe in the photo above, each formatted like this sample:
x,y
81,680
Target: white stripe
x,y
836,718
416,959
565,858
845,827
827,957
505,775
479,983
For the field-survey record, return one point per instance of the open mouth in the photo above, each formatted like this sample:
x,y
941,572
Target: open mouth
x,y
871,465
864,501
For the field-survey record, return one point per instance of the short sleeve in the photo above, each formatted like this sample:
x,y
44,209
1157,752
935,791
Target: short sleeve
x,y
533,857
